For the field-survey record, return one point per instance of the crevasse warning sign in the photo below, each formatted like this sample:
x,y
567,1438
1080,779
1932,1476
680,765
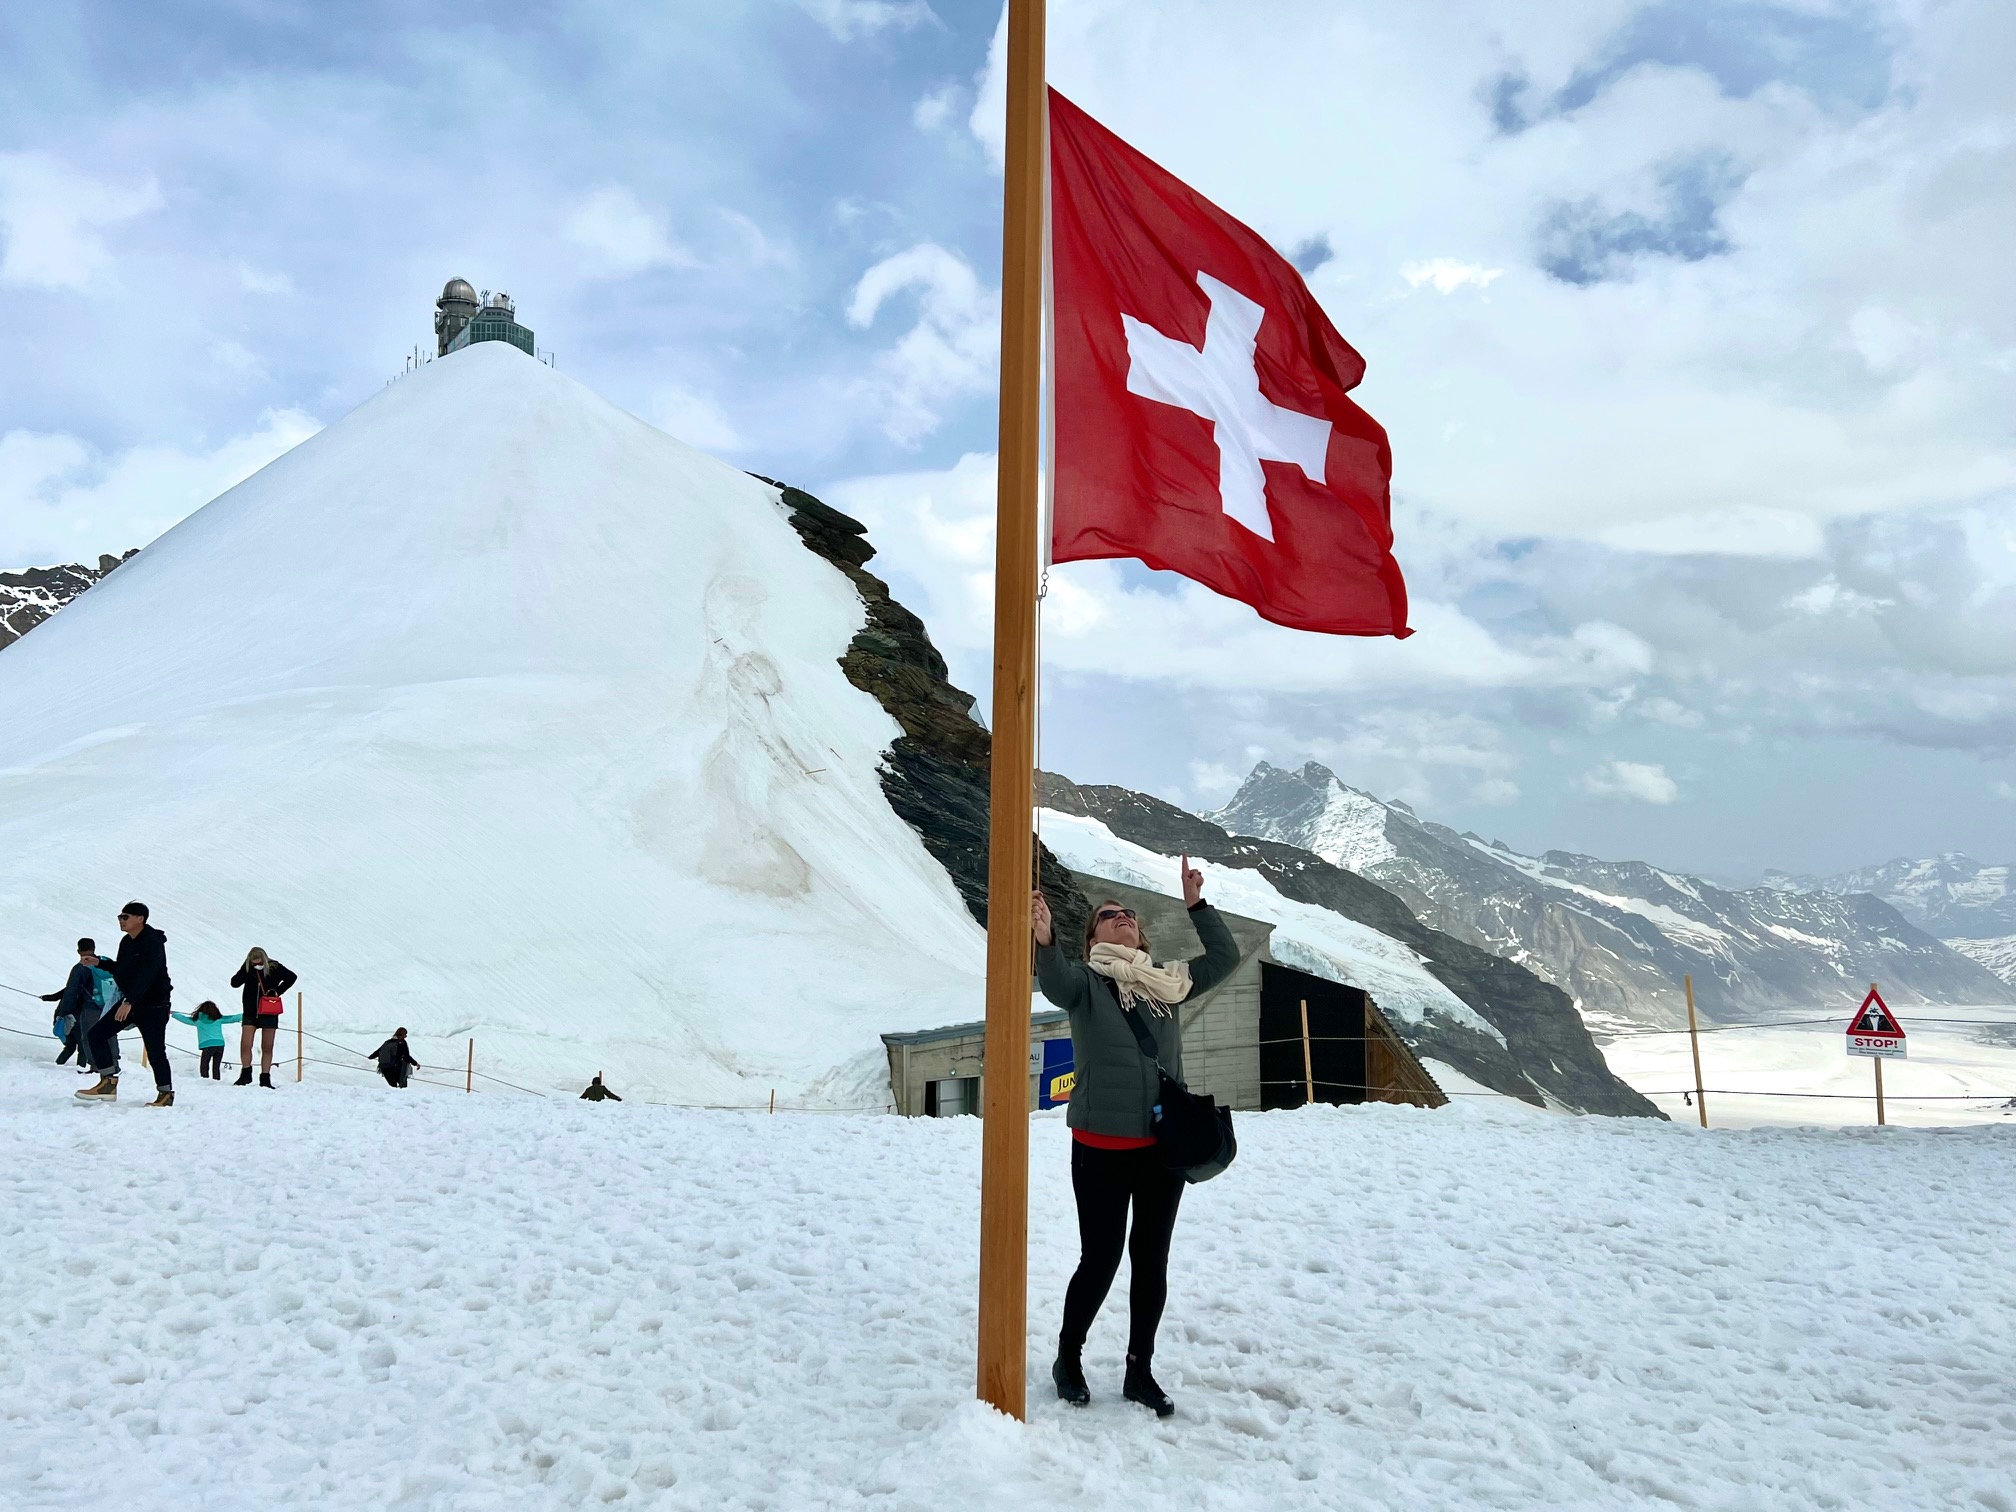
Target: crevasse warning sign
x,y
1874,1029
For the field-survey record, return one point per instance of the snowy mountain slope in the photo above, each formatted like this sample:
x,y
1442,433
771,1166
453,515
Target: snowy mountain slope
x,y
1998,955
29,595
495,712
1522,1036
1619,936
1309,938
1952,896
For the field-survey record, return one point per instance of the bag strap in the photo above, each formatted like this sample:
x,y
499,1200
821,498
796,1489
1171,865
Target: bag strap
x,y
1143,1038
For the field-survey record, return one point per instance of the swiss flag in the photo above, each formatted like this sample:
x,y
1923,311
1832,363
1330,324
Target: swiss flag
x,y
1203,416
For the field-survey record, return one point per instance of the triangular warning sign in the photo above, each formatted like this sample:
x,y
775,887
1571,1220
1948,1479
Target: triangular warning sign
x,y
1875,1018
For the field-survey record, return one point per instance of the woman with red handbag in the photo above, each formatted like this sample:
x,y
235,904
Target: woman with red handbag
x,y
264,982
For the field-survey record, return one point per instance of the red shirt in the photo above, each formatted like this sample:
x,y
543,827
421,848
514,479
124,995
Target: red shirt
x,y
1110,1141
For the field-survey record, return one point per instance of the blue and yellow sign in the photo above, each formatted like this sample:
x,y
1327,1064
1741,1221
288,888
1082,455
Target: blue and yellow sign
x,y
1055,1081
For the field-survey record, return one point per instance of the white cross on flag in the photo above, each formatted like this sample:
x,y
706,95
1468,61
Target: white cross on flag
x,y
1203,416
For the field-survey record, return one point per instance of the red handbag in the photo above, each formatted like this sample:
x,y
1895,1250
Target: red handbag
x,y
273,1006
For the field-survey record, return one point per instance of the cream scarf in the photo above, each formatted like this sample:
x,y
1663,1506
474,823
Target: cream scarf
x,y
1142,983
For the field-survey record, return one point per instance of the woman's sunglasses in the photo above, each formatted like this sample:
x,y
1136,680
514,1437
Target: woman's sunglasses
x,y
1113,913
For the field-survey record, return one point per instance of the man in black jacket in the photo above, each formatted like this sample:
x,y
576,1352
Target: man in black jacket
x,y
142,974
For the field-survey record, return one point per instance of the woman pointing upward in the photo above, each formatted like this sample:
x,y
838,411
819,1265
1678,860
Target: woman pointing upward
x,y
1114,1163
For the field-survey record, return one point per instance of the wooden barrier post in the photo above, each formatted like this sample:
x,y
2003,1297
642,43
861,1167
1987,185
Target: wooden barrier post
x,y
469,1081
300,1037
1694,1040
1308,1065
1877,1062
773,1100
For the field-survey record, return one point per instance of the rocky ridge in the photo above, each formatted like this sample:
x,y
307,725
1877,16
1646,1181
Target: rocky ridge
x,y
1618,936
936,773
31,594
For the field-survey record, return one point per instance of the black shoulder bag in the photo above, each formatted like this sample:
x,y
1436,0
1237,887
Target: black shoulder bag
x,y
1192,1133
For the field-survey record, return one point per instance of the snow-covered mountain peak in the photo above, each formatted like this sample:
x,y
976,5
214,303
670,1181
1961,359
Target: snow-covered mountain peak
x,y
491,709
1344,826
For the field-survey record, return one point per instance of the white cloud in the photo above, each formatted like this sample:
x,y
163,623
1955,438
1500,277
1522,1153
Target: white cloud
x,y
262,280
696,419
2004,790
1636,781
935,109
621,235
848,19
1495,792
989,120
947,354
1445,275
60,501
53,219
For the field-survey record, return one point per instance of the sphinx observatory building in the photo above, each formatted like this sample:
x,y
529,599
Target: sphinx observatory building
x,y
462,319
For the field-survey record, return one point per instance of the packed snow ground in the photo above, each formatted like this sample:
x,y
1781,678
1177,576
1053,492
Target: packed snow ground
x,y
1962,1060
347,1297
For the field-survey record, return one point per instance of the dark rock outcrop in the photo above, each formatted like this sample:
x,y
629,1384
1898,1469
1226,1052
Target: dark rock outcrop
x,y
1546,1046
936,772
31,595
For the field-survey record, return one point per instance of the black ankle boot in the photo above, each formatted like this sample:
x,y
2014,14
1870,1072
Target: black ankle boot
x,y
1070,1378
1140,1387
244,1078
265,1078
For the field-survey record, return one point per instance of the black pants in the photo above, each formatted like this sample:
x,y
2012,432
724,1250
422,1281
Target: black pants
x,y
153,1026
395,1076
1104,1182
213,1063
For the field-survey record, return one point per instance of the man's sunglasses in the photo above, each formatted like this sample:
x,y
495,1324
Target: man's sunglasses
x,y
1113,913
125,916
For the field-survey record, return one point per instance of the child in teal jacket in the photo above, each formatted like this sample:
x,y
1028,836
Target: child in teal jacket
x,y
210,1036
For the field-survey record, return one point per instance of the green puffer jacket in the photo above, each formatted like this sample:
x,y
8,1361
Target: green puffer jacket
x,y
1116,1084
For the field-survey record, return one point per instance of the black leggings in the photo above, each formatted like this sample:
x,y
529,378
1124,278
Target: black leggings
x,y
212,1064
1104,1182
153,1026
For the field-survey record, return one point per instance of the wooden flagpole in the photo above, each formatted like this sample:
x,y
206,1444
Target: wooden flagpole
x,y
1004,1143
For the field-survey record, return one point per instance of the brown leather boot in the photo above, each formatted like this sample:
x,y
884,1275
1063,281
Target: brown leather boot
x,y
106,1090
164,1097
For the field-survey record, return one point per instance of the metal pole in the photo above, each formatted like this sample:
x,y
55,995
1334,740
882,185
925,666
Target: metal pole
x,y
1694,1040
300,1037
1003,1342
1308,1066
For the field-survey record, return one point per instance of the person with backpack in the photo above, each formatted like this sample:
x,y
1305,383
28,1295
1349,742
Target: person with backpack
x,y
395,1059
596,1092
87,993
142,974
1114,1162
264,983
209,1024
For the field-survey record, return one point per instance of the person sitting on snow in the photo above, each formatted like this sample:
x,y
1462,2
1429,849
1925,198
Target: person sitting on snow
x,y
596,1092
395,1059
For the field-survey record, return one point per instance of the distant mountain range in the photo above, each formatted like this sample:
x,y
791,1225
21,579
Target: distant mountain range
x,y
1972,907
1618,936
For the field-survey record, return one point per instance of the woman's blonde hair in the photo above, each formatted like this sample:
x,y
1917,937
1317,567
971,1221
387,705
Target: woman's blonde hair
x,y
1092,923
256,957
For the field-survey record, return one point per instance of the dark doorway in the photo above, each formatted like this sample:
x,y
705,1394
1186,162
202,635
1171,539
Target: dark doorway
x,y
1336,1038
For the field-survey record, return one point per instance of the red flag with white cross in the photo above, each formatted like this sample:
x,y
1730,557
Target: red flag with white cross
x,y
1203,417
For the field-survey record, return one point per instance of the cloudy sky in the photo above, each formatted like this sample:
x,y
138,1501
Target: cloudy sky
x,y
1691,323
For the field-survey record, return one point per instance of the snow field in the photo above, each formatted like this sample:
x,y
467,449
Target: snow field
x,y
1970,1068
346,1297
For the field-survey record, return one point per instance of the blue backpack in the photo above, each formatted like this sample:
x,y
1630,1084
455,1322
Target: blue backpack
x,y
108,989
